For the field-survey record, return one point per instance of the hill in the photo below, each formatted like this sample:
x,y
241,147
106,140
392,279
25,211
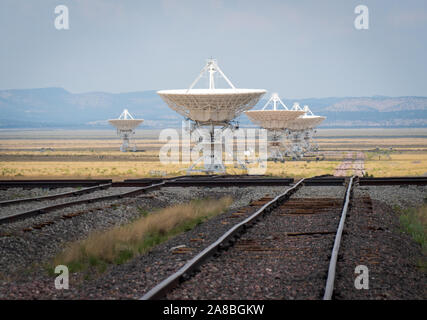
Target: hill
x,y
58,108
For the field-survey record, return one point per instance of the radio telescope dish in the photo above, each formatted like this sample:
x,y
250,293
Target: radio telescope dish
x,y
300,131
275,119
125,126
211,107
306,121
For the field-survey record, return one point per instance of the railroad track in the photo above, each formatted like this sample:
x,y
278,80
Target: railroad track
x,y
212,182
56,196
208,181
421,181
260,242
146,185
142,185
63,183
266,247
52,207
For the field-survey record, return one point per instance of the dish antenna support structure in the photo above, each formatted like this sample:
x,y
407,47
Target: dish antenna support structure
x,y
125,126
299,133
210,108
274,120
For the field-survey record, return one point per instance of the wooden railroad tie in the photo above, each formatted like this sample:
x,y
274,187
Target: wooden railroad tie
x,y
293,234
182,250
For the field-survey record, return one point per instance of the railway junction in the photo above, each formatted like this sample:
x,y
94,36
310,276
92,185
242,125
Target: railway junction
x,y
279,239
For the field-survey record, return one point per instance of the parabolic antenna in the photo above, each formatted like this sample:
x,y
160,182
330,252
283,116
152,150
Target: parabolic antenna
x,y
211,107
125,126
299,132
306,121
275,119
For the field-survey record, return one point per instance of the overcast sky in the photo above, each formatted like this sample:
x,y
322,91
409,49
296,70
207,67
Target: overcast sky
x,y
299,49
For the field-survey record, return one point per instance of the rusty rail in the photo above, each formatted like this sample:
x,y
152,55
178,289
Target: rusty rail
x,y
421,181
223,242
334,257
56,196
62,183
38,211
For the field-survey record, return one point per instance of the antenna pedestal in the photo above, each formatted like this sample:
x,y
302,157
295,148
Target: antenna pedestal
x,y
275,145
300,142
212,160
126,144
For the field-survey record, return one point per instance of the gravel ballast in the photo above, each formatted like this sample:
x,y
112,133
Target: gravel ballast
x,y
267,263
371,237
25,248
21,193
31,205
402,196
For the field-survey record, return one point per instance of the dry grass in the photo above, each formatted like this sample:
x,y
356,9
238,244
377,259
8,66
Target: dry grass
x,y
99,155
393,165
76,153
294,169
302,169
123,242
397,164
76,144
371,143
116,170
80,146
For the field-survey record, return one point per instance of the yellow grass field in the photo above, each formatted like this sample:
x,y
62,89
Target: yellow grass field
x,y
39,155
399,164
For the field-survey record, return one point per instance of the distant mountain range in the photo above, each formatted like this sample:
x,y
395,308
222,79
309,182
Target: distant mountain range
x,y
58,108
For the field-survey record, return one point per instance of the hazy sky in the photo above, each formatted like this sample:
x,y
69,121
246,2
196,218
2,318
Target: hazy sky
x,y
299,49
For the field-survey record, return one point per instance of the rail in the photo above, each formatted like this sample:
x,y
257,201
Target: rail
x,y
334,257
159,290
56,196
38,211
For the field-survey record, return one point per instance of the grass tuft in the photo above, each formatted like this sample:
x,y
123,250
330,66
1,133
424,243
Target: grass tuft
x,y
414,222
119,244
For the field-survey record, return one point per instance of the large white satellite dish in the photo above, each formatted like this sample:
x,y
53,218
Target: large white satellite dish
x,y
296,123
299,132
275,119
211,107
307,121
125,126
